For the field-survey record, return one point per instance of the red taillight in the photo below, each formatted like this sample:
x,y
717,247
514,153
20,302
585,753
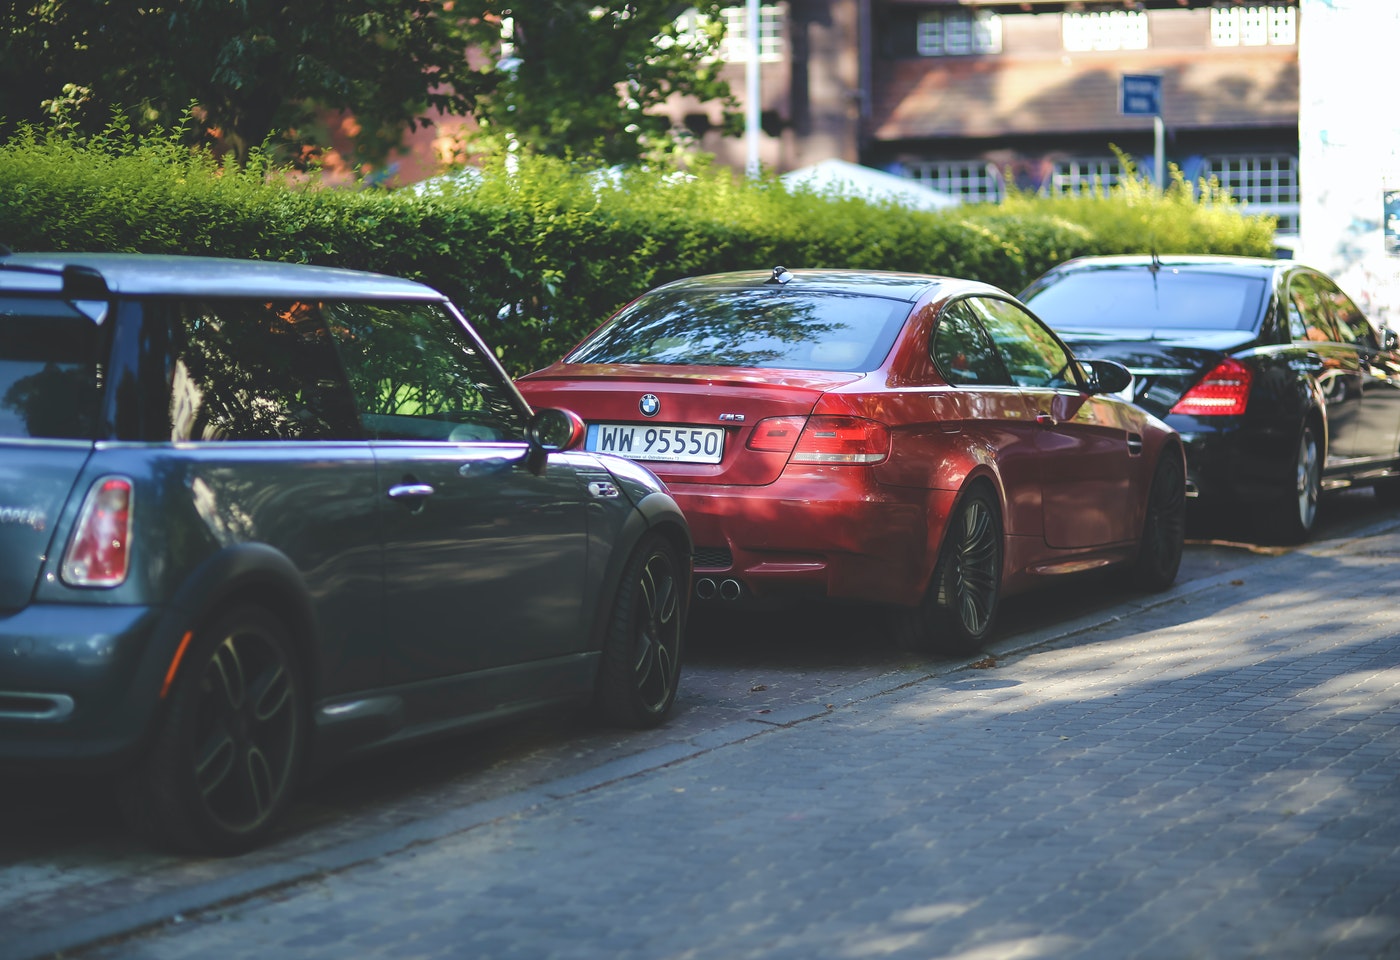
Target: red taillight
x,y
776,434
97,554
842,440
1223,392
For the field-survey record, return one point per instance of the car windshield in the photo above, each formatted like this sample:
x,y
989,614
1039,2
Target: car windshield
x,y
49,379
1138,297
748,328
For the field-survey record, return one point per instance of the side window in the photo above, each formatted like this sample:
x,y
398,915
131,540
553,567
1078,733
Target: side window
x,y
248,370
418,375
962,352
1352,325
1310,312
1030,351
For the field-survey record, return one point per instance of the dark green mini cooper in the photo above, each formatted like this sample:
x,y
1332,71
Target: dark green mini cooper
x,y
255,517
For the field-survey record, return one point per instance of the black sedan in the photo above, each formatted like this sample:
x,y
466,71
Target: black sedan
x,y
1278,384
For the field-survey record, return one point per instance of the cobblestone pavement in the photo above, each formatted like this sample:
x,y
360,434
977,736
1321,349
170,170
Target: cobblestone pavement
x,y
1212,776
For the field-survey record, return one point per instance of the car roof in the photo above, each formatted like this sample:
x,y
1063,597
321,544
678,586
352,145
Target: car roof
x,y
140,274
878,283
1205,263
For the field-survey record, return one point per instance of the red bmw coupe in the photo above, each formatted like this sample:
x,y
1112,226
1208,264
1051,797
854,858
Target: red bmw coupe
x,y
919,442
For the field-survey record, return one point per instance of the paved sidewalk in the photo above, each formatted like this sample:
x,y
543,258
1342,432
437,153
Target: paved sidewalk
x,y
1215,776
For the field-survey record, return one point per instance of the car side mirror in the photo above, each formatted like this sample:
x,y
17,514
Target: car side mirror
x,y
1391,339
1108,376
550,431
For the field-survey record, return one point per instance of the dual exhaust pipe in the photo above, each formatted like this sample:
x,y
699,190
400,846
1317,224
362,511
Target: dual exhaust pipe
x,y
707,588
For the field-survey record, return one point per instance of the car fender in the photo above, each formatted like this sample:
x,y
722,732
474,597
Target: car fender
x,y
655,510
254,573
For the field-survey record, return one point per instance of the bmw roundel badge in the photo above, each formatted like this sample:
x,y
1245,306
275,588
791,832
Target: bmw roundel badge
x,y
650,405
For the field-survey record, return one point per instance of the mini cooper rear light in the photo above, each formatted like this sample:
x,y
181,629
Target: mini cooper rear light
x,y
828,439
1223,392
100,548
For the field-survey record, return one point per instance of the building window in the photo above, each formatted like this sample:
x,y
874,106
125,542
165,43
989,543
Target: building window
x,y
958,33
1264,183
1253,26
972,181
1105,30
735,47
1090,176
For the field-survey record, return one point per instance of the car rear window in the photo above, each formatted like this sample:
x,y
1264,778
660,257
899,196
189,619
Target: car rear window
x,y
50,384
1167,298
803,331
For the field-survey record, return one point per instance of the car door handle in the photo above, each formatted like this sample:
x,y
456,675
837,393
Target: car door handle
x,y
403,491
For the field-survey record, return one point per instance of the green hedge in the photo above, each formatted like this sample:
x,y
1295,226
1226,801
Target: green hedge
x,y
540,255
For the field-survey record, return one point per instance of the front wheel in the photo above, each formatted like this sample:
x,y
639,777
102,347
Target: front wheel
x,y
226,759
641,657
1163,528
959,610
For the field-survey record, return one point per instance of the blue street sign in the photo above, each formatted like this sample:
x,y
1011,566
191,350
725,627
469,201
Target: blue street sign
x,y
1141,95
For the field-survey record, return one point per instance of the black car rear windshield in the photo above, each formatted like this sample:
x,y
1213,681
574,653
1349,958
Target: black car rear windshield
x,y
747,328
1139,297
49,383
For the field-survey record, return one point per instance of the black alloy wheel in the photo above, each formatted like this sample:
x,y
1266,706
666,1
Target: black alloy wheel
x,y
226,760
959,610
1164,526
641,659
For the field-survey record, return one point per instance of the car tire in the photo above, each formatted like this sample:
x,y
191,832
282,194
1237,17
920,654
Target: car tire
x,y
1291,518
227,757
645,637
1163,527
958,613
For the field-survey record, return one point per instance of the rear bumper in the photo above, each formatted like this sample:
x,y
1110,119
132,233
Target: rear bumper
x,y
1231,460
814,538
79,685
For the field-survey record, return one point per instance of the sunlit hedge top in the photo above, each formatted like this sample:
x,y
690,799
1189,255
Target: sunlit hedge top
x,y
540,254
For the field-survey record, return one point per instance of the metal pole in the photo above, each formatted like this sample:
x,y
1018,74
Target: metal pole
x,y
753,96
1159,154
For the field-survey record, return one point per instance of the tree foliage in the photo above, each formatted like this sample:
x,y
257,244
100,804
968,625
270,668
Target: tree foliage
x,y
584,80
251,69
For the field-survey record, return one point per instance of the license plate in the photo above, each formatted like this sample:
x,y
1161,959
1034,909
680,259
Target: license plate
x,y
657,442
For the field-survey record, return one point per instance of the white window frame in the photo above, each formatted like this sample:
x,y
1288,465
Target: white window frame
x,y
972,181
1085,176
1256,25
1262,182
1104,30
735,46
957,33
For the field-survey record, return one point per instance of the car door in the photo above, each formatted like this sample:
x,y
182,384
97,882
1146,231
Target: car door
x,y
1320,355
484,557
1377,427
1085,445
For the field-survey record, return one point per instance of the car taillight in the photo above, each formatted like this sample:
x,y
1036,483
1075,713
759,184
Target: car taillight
x,y
98,552
828,439
1223,392
776,434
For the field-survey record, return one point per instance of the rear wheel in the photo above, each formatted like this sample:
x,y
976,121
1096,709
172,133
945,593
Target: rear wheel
x,y
641,659
225,761
1290,519
959,610
1163,528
